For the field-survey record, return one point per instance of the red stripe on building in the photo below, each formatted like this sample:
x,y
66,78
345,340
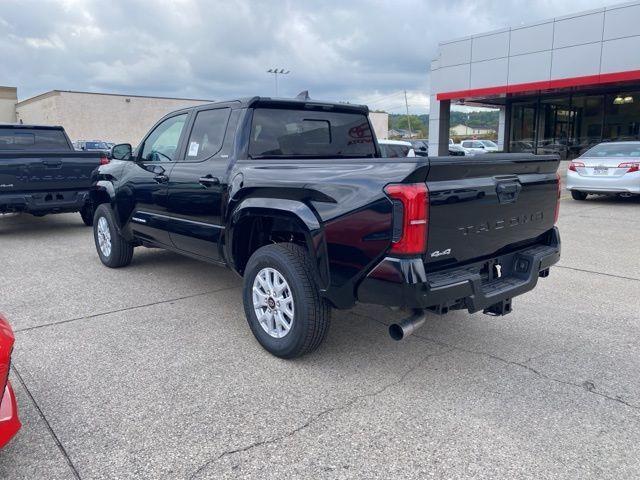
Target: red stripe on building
x,y
589,80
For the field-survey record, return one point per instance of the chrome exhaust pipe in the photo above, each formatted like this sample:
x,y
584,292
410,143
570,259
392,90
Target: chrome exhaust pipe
x,y
407,326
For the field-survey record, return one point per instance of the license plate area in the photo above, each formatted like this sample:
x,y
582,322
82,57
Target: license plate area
x,y
600,171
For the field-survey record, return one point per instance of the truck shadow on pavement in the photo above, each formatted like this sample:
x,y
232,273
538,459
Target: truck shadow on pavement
x,y
23,224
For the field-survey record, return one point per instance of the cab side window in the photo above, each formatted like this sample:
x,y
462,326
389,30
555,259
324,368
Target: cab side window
x,y
207,134
162,142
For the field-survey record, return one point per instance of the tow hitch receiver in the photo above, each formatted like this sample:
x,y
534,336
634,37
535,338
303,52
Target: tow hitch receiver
x,y
498,309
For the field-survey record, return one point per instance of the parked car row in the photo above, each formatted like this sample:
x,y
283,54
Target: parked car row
x,y
471,147
93,145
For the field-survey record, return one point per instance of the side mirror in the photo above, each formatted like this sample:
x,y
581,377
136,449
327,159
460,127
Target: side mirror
x,y
121,151
424,149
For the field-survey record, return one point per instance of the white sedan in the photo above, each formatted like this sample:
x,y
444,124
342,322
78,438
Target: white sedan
x,y
474,147
608,168
396,149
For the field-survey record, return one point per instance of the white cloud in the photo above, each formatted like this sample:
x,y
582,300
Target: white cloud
x,y
359,51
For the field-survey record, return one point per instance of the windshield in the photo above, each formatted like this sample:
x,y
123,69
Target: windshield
x,y
614,150
314,134
489,143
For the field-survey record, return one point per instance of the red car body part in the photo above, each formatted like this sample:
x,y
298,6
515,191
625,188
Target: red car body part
x,y
9,421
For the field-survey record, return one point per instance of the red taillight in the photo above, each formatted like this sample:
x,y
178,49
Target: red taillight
x,y
631,166
558,198
412,236
104,159
574,165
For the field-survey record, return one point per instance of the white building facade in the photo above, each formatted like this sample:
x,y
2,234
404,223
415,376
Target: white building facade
x,y
561,84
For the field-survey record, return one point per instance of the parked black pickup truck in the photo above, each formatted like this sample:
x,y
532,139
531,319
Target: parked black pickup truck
x,y
41,173
294,197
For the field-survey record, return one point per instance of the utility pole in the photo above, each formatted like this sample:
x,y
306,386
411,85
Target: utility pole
x,y
277,72
406,104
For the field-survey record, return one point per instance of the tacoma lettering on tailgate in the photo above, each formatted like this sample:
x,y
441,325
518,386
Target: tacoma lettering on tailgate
x,y
499,224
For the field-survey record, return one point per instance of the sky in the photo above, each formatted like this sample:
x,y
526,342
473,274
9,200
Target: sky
x,y
360,51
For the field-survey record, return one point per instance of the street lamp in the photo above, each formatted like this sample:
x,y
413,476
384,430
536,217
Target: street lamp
x,y
277,72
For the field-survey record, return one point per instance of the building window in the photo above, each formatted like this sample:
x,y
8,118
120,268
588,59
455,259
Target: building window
x,y
570,125
523,131
587,130
622,116
555,126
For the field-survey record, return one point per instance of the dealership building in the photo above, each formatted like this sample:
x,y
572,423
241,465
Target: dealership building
x,y
562,85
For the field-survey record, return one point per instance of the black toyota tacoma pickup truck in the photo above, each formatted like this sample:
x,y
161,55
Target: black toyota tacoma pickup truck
x,y
41,173
294,196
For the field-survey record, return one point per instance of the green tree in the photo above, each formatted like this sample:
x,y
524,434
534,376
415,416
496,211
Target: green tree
x,y
417,124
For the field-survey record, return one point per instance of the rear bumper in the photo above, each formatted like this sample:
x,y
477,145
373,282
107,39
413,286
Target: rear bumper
x,y
9,421
627,183
44,202
405,283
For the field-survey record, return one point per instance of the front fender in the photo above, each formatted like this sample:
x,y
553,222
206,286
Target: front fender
x,y
103,191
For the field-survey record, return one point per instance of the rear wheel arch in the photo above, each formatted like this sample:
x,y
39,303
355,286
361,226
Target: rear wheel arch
x,y
254,227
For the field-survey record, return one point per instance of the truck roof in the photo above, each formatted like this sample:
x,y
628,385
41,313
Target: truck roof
x,y
25,126
280,103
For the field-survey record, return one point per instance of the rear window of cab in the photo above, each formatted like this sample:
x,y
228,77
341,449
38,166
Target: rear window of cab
x,y
32,139
279,133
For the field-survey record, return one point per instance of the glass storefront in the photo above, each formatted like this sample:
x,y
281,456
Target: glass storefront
x,y
569,125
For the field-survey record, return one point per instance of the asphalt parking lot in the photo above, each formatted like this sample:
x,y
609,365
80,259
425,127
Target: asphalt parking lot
x,y
152,372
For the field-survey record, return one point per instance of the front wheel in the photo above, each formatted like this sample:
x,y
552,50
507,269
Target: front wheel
x,y
114,251
577,195
283,307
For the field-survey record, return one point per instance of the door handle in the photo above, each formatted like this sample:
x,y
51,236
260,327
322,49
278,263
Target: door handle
x,y
209,181
161,178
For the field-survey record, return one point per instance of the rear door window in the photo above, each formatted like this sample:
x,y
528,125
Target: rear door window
x,y
207,134
279,133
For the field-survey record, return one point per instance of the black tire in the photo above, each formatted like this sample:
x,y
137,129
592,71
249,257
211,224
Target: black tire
x,y
578,195
312,313
87,214
121,250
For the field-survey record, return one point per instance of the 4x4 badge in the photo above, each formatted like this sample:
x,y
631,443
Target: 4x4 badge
x,y
438,253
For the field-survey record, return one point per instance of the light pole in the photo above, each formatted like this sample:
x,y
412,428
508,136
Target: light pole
x,y
277,72
406,104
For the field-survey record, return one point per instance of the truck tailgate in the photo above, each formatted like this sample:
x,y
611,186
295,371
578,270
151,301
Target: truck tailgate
x,y
479,206
43,171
